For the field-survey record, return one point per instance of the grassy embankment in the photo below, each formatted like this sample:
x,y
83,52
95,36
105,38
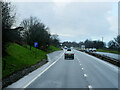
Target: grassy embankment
x,y
20,57
108,51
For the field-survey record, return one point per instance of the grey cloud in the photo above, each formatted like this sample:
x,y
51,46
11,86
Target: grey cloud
x,y
72,21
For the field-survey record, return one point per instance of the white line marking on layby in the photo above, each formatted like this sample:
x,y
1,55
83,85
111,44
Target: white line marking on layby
x,y
82,68
42,72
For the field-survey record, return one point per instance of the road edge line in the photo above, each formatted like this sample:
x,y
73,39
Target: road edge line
x,y
42,72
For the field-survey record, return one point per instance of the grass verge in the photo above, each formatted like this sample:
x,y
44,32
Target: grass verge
x,y
52,49
108,51
20,57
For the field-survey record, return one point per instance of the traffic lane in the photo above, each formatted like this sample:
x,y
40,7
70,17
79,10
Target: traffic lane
x,y
53,56
63,74
100,74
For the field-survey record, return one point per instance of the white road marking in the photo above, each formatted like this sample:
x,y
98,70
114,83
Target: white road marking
x,y
42,72
85,75
102,61
79,61
90,87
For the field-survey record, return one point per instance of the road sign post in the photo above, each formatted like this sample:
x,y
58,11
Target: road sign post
x,y
36,45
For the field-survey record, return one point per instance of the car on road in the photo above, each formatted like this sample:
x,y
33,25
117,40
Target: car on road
x,y
91,50
69,54
94,49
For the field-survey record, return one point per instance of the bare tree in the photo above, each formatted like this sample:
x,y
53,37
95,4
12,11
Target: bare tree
x,y
114,44
8,15
35,31
117,41
55,40
28,25
8,19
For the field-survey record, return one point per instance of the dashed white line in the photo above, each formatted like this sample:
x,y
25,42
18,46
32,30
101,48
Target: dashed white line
x,y
106,63
85,75
90,87
78,59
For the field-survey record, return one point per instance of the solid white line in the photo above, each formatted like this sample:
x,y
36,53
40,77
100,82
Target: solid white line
x,y
42,72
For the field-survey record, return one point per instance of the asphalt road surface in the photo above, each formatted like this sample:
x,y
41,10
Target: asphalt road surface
x,y
84,71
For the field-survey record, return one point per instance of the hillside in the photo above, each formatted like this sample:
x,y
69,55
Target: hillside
x,y
20,57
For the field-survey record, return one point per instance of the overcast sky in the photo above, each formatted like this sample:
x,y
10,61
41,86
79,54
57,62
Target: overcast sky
x,y
74,21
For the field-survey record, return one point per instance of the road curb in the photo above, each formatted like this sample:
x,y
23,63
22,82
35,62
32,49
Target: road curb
x,y
105,58
19,74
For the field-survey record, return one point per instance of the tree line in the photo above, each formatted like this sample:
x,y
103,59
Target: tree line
x,y
29,31
33,30
88,44
115,43
112,45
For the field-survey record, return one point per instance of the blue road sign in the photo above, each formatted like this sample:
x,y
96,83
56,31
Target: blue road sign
x,y
35,44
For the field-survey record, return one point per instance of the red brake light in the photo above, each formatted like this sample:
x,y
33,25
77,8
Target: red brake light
x,y
72,54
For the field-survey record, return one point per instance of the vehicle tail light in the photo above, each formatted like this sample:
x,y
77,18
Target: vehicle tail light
x,y
65,54
72,54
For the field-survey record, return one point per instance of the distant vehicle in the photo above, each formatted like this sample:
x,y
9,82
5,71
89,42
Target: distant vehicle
x,y
62,48
94,49
83,48
69,54
65,48
87,49
91,50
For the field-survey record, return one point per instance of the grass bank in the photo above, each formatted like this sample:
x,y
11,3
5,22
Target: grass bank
x,y
52,49
20,57
108,51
